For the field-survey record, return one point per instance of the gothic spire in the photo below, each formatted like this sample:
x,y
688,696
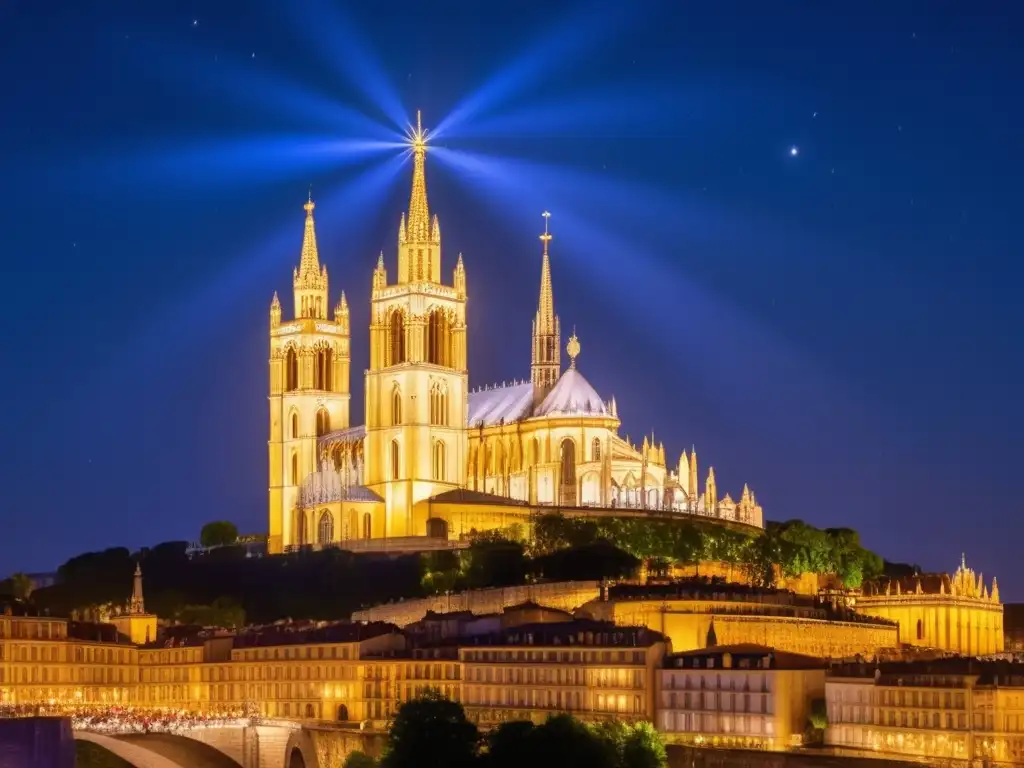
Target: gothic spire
x,y
309,263
546,304
546,362
418,225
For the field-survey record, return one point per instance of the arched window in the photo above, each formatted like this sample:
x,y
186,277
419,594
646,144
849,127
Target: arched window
x,y
920,630
325,528
595,450
439,461
323,373
291,370
396,406
436,341
568,472
396,460
300,524
367,526
295,424
323,422
396,338
295,469
439,404
535,451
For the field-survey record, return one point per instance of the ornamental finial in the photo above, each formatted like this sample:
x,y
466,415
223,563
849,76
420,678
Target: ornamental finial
x,y
546,237
573,349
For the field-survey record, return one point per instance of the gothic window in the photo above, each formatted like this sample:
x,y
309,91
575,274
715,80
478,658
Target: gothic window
x,y
438,404
596,449
291,370
295,425
568,472
300,524
323,422
920,630
535,451
439,461
325,529
437,339
396,463
396,406
295,469
396,338
367,527
324,374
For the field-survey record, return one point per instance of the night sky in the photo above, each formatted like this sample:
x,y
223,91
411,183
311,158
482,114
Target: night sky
x,y
837,326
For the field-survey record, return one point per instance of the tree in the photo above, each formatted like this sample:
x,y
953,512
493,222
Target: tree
x,y
358,759
431,732
564,740
21,586
817,720
510,745
219,533
643,747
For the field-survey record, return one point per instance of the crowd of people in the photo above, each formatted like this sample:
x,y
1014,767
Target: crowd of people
x,y
117,719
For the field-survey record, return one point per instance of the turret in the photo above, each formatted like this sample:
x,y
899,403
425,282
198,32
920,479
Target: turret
x,y
694,489
275,311
684,473
341,313
710,492
459,276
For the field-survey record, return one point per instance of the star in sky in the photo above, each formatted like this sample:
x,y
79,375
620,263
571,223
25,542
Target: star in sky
x,y
794,151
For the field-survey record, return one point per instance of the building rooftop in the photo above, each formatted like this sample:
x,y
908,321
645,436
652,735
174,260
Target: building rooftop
x,y
986,672
572,395
340,632
465,496
568,633
743,656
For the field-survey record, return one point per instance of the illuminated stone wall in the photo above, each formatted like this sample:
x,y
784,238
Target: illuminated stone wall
x,y
786,627
566,596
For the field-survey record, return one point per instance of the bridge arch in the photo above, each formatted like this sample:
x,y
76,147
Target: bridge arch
x,y
138,756
300,752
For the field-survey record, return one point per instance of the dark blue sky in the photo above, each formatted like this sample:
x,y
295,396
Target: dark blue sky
x,y
838,328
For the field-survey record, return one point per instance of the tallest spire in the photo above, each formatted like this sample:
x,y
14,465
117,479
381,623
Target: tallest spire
x,y
418,224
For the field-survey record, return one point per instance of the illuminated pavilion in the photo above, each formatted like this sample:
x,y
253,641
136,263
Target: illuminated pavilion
x,y
432,457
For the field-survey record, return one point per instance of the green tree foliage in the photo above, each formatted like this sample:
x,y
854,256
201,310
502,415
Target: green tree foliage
x,y
600,560
21,586
431,732
497,561
794,545
359,759
564,740
219,533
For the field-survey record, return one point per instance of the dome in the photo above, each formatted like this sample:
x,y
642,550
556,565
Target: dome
x,y
572,395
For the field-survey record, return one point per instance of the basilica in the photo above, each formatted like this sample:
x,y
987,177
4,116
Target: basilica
x,y
433,460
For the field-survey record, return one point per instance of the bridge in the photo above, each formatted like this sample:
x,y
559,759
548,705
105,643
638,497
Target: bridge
x,y
268,744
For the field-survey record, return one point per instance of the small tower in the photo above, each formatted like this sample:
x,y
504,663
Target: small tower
x,y
135,624
694,488
710,492
309,388
545,362
137,604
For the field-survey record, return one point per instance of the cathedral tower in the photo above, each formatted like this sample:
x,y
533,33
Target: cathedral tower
x,y
416,386
545,362
309,387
